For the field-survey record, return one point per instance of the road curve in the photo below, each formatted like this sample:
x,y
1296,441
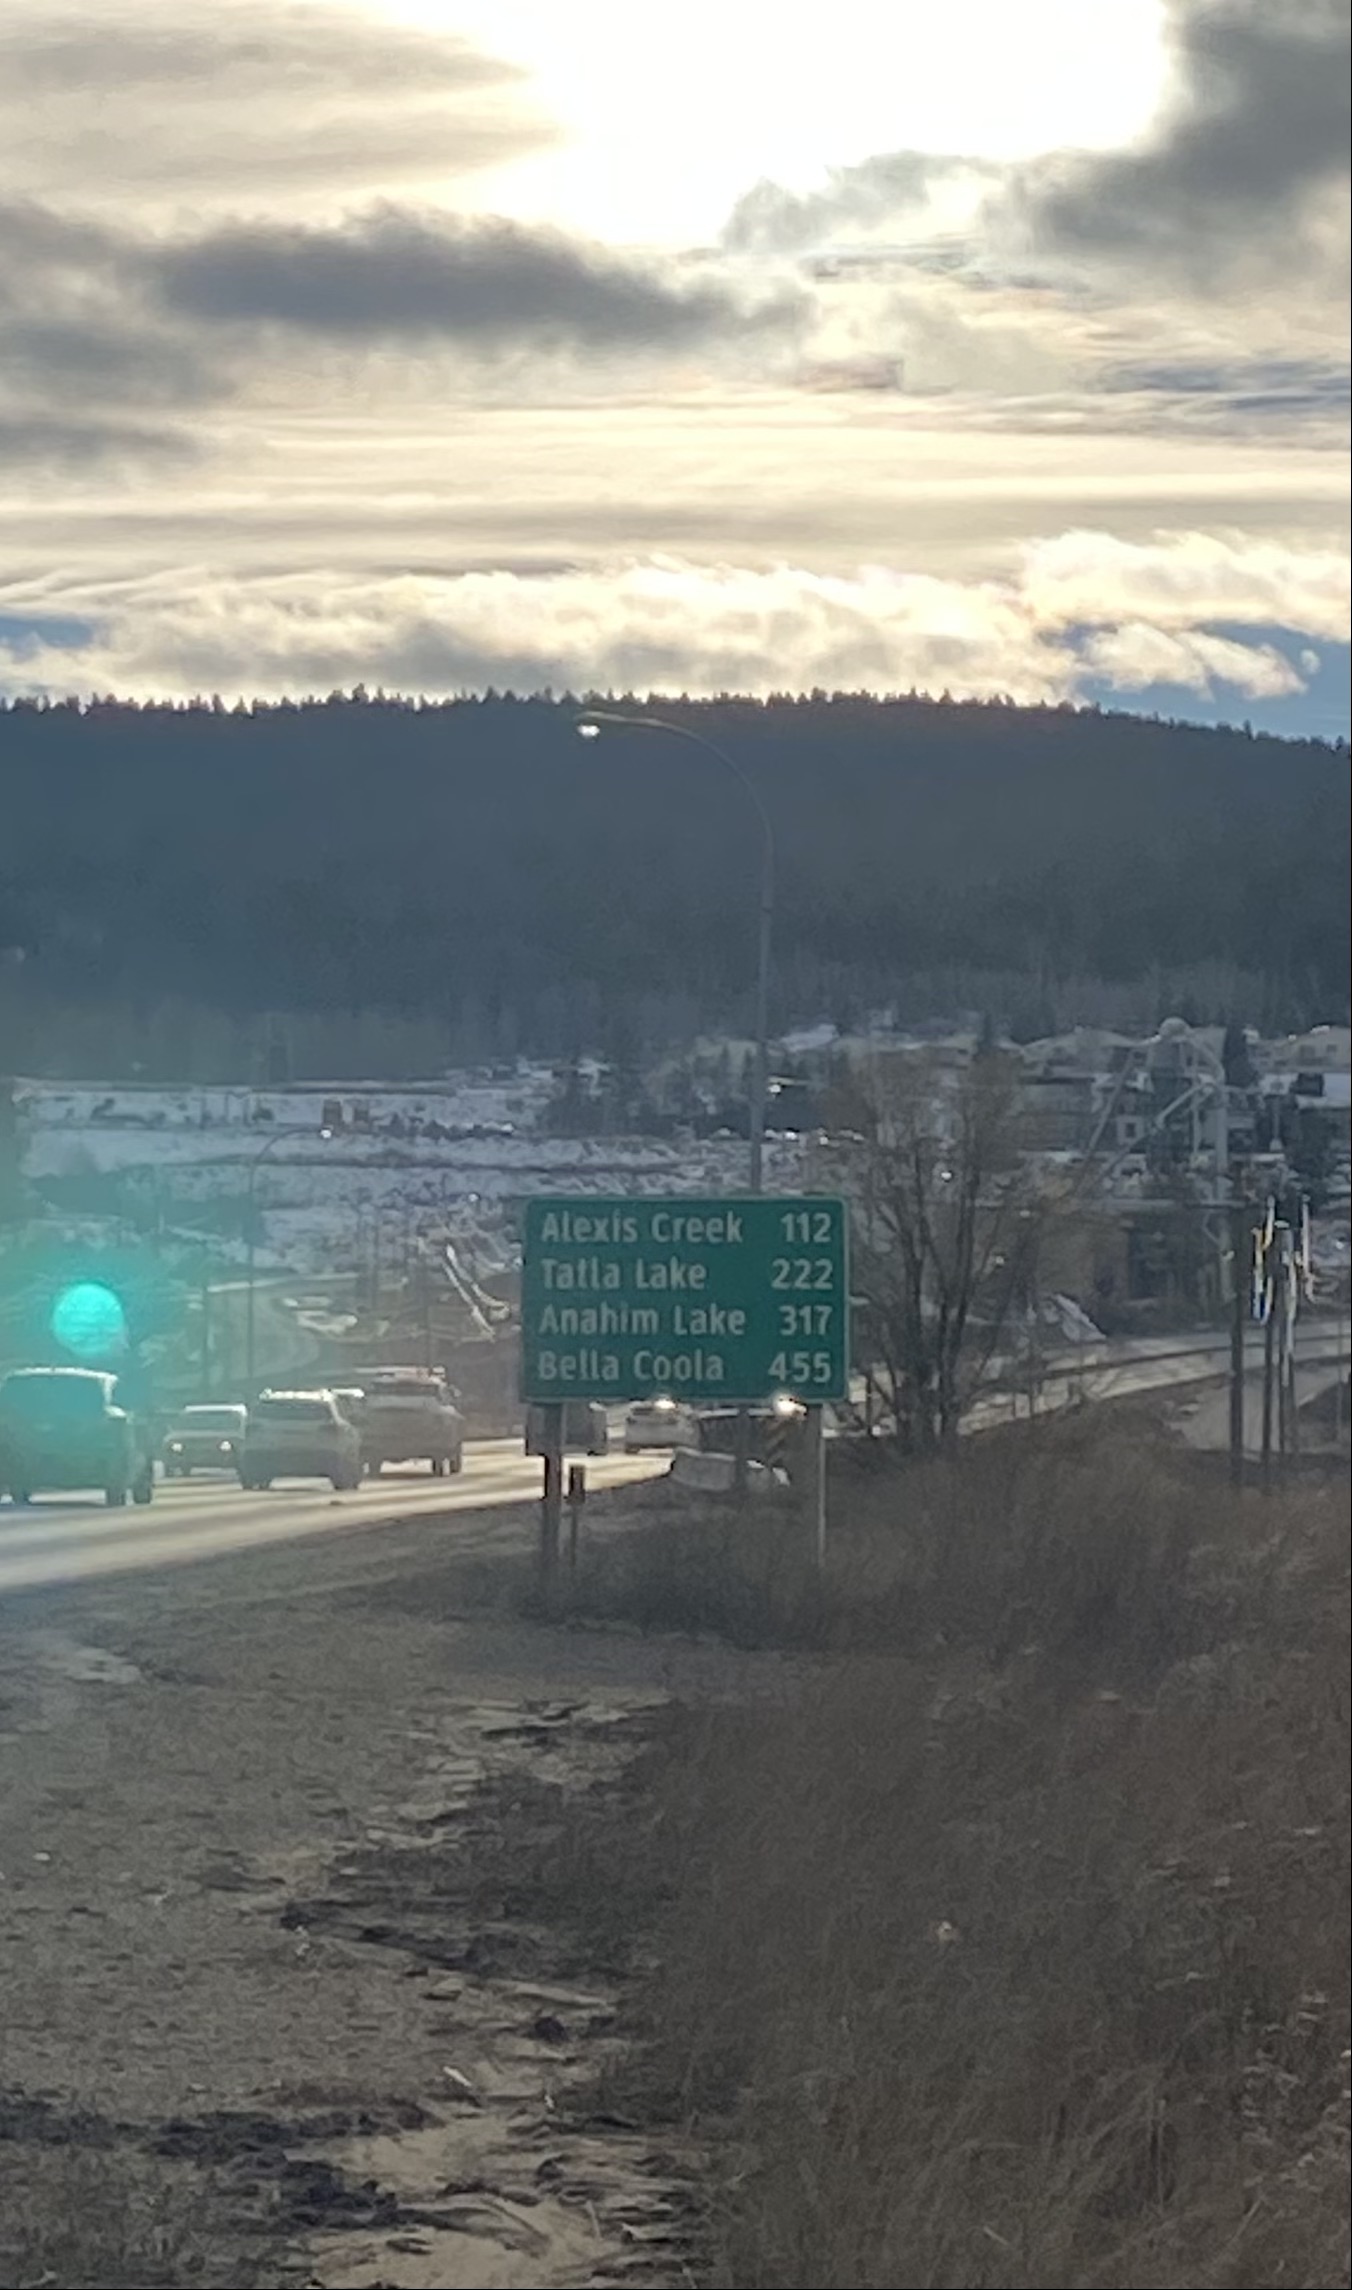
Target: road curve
x,y
75,1538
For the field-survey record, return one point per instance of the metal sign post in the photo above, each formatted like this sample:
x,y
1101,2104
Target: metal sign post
x,y
814,1476
551,1498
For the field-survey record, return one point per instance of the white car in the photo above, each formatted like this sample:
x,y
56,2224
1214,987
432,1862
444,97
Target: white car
x,y
407,1415
657,1423
299,1435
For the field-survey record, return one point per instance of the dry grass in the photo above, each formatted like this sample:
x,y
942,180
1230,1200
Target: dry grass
x,y
72,2217
1020,1957
1085,1541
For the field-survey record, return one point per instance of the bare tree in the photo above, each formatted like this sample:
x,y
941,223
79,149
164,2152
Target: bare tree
x,y
946,1238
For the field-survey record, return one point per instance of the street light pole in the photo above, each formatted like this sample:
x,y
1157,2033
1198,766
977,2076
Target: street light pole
x,y
590,726
250,1338
279,1137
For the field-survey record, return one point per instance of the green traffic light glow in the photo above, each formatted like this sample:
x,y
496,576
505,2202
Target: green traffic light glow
x,y
88,1320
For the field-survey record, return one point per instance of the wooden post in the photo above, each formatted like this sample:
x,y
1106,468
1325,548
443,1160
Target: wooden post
x,y
551,1498
577,1496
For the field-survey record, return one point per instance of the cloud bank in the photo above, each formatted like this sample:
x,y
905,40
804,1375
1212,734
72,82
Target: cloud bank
x,y
243,100
1243,171
398,273
1244,165
1077,609
288,410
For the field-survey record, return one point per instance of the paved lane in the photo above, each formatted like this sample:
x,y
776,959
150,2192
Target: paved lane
x,y
60,1538
76,1538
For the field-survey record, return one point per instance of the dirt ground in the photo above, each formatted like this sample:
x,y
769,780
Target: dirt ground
x,y
257,1924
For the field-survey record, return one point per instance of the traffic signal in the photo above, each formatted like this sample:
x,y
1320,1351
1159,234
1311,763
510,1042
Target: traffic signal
x,y
89,1320
90,1307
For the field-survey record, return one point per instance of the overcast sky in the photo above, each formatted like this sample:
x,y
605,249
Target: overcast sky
x,y
996,347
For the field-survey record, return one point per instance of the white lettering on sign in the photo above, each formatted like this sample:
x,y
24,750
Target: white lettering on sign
x,y
807,1226
706,1320
575,1225
580,1272
577,1367
659,1368
599,1320
799,1368
674,1272
720,1230
802,1272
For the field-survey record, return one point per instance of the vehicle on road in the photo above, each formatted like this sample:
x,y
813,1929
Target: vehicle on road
x,y
62,1429
203,1439
299,1435
407,1415
658,1423
586,1428
773,1433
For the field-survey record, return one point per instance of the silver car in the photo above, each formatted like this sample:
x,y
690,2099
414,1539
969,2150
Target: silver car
x,y
658,1423
299,1435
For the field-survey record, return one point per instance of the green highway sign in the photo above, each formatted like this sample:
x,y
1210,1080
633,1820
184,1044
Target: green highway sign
x,y
725,1300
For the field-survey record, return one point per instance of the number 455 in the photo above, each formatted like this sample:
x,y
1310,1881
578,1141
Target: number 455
x,y
802,1369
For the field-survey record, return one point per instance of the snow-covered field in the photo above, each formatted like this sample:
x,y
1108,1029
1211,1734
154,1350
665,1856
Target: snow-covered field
x,y
166,1118
397,1161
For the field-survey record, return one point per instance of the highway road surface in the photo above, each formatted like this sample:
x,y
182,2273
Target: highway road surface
x,y
1120,1369
73,1538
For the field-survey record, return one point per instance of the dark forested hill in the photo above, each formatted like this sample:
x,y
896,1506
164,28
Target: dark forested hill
x,y
477,864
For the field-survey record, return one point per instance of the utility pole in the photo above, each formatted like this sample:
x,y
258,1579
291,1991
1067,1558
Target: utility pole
x,y
1241,1243
1286,1275
278,1137
425,1301
1269,1396
206,1331
1280,1317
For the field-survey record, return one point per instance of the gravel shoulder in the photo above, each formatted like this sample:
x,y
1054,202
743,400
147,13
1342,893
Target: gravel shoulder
x,y
254,1926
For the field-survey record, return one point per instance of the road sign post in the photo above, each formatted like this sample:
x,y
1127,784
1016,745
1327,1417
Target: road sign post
x,y
577,1496
551,1496
814,1453
727,1302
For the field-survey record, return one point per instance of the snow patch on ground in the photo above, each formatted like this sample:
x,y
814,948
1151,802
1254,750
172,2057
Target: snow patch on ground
x,y
192,1158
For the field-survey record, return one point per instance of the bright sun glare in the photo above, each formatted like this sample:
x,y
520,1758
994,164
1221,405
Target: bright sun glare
x,y
667,119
